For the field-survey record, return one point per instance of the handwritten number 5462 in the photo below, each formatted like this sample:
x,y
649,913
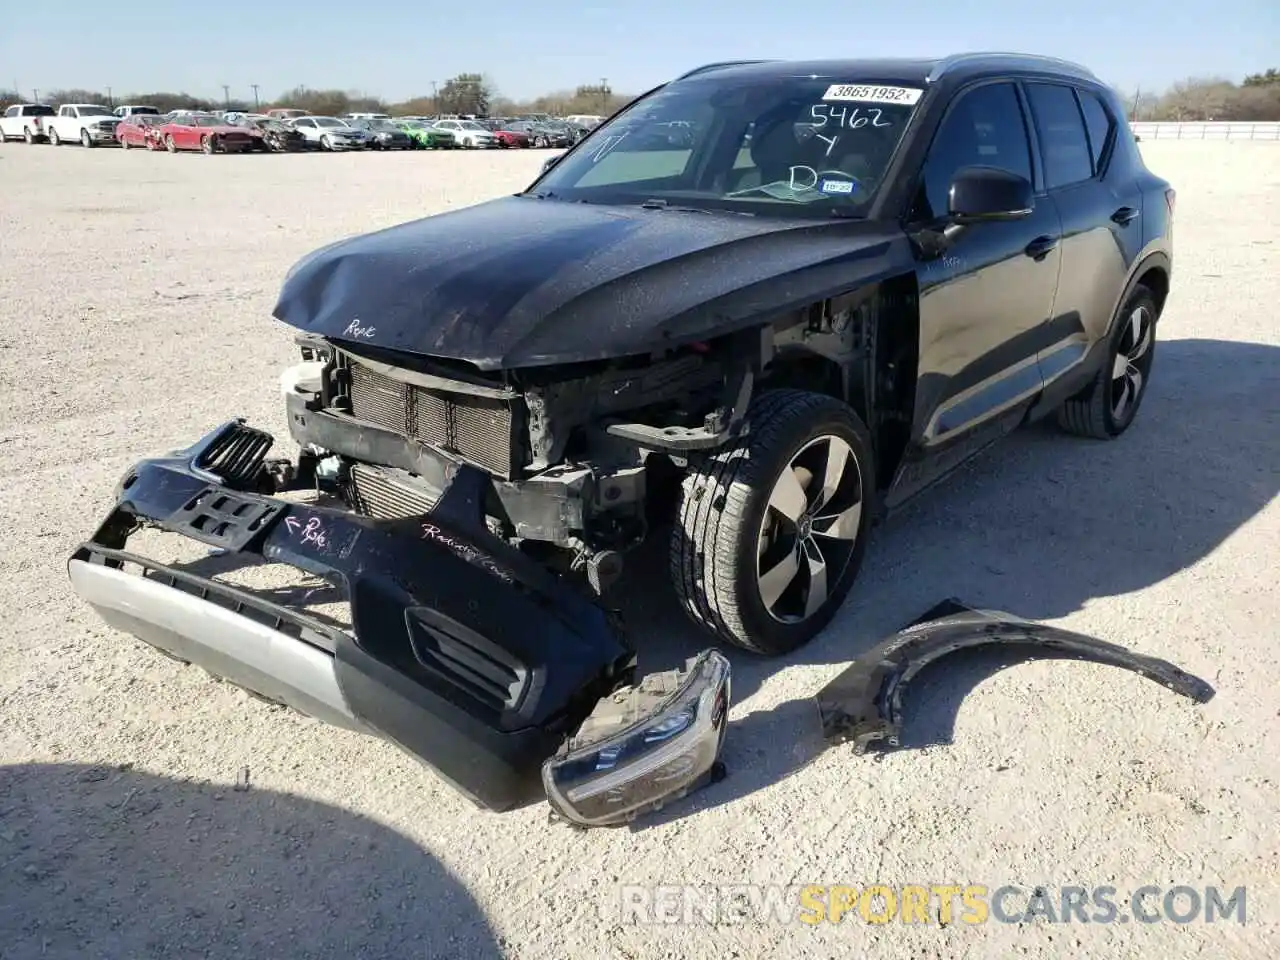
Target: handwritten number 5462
x,y
854,119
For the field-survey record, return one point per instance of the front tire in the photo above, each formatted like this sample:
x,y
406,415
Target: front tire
x,y
326,143
771,529
54,139
1107,407
208,145
170,144
86,141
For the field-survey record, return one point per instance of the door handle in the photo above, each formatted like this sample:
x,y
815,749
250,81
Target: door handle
x,y
1125,215
1040,247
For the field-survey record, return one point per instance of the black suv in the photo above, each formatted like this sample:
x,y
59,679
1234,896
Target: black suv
x,y
760,305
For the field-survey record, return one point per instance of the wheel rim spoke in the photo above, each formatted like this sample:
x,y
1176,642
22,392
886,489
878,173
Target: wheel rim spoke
x,y
838,454
817,595
788,496
839,526
1120,366
1142,343
774,583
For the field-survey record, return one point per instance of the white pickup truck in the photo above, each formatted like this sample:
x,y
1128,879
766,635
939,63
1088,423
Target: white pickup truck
x,y
90,123
27,121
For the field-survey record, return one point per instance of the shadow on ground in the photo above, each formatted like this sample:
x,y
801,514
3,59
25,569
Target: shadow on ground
x,y
1037,526
104,862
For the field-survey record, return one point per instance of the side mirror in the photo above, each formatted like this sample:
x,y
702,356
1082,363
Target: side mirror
x,y
980,194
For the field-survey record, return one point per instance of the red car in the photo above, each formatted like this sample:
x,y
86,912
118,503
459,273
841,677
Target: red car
x,y
138,130
511,138
206,132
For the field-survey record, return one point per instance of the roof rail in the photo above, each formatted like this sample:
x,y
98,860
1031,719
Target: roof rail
x,y
1026,60
716,66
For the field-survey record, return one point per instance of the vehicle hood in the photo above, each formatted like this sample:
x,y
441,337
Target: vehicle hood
x,y
519,282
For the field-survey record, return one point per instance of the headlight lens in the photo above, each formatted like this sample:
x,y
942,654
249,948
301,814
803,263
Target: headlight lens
x,y
644,746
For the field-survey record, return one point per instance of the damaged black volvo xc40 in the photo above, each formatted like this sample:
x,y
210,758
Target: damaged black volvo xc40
x,y
755,309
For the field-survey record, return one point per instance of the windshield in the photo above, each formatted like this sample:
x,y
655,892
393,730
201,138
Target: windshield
x,y
777,146
93,110
470,125
381,125
38,111
149,111
328,122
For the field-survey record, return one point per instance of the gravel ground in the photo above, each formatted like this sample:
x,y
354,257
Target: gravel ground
x,y
134,314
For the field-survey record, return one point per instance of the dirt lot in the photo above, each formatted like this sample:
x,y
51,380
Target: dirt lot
x,y
135,293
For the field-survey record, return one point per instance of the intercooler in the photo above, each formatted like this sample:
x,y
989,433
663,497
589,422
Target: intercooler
x,y
381,493
481,430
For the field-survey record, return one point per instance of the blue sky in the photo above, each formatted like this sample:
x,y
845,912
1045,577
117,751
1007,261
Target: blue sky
x,y
395,48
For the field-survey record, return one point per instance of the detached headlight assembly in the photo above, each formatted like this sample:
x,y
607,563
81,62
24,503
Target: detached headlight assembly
x,y
643,746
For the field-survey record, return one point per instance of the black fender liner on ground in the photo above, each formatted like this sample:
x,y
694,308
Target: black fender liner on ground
x,y
864,703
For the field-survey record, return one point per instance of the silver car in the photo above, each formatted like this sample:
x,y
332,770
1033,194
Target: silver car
x,y
330,133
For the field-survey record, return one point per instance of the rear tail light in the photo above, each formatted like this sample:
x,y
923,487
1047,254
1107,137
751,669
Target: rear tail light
x,y
1171,199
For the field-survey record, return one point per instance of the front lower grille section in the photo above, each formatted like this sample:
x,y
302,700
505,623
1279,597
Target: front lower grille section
x,y
481,430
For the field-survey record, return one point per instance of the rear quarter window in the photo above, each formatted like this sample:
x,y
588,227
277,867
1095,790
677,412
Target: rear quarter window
x,y
1100,126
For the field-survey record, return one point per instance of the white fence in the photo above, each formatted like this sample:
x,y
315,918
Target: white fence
x,y
1208,130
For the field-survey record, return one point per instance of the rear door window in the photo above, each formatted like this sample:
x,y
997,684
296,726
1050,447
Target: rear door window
x,y
1064,145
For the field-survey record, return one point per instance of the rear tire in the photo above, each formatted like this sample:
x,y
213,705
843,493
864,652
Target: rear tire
x,y
1107,407
756,533
54,139
27,135
208,144
169,143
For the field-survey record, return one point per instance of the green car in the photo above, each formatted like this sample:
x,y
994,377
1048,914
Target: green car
x,y
424,135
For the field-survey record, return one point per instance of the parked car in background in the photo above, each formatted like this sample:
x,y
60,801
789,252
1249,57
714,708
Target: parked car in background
x,y
541,135
506,137
424,135
90,123
469,133
383,134
366,116
330,133
287,113
139,130
26,121
588,121
131,109
208,133
277,136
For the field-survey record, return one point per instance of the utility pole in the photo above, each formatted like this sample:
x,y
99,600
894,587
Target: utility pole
x,y
604,94
110,101
255,96
435,99
226,95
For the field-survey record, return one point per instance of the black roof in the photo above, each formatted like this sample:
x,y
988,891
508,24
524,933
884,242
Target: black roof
x,y
915,70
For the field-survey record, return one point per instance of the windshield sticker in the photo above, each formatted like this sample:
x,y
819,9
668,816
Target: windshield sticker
x,y
865,93
842,117
836,186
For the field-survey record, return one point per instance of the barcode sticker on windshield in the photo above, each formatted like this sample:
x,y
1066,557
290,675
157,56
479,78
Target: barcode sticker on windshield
x,y
864,93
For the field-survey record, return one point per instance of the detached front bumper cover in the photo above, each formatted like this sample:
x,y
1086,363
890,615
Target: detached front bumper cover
x,y
864,703
463,651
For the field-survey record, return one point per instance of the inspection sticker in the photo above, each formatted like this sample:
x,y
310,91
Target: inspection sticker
x,y
865,93
836,186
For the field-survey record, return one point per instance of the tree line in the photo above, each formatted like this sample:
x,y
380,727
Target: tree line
x,y
1257,98
472,93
